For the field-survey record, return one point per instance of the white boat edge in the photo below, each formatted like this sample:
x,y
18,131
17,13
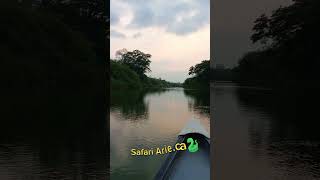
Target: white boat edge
x,y
194,126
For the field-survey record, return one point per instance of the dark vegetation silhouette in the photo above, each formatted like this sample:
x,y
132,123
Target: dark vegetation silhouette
x,y
288,57
138,61
50,49
222,74
201,75
199,101
133,106
53,81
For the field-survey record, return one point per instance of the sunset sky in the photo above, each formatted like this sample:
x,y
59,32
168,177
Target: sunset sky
x,y
175,32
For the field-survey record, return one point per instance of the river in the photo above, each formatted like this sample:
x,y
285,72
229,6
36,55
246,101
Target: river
x,y
256,134
259,135
148,120
54,137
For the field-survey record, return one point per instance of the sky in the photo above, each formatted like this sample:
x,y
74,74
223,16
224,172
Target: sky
x,y
175,32
232,21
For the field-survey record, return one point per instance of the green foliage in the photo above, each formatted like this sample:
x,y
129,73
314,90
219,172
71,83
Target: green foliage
x,y
201,70
130,69
159,83
195,83
123,77
137,61
201,74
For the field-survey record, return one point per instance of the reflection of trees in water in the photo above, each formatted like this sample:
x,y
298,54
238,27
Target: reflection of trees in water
x,y
131,103
63,135
199,102
290,134
290,113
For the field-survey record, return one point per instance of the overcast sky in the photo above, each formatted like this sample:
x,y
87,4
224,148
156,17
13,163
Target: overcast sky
x,y
175,32
232,23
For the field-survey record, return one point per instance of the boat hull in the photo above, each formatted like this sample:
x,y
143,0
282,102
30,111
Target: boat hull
x,y
185,165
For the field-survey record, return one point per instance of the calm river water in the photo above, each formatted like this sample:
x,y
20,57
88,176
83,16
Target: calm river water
x,y
261,136
54,137
149,120
257,134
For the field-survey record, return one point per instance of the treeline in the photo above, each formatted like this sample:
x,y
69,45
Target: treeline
x,y
52,61
201,76
53,82
225,74
51,44
129,72
289,57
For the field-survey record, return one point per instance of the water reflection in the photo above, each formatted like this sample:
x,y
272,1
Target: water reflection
x,y
150,119
293,137
266,135
131,104
54,138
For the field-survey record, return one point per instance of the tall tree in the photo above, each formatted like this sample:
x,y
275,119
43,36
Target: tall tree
x,y
200,70
290,36
137,61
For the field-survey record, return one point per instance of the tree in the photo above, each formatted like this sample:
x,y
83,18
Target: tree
x,y
290,36
200,70
201,76
120,53
286,24
137,61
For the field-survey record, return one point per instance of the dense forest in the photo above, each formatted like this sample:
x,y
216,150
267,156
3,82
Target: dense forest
x,y
287,59
53,74
51,44
53,67
289,38
200,76
129,71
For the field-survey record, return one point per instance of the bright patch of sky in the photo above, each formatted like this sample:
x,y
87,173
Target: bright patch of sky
x,y
176,33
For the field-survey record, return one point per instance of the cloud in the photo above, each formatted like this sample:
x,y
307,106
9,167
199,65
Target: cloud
x,y
114,13
117,34
137,35
170,53
176,33
114,18
180,17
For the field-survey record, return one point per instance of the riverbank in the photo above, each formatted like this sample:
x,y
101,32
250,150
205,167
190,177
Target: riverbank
x,y
122,77
201,76
195,83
